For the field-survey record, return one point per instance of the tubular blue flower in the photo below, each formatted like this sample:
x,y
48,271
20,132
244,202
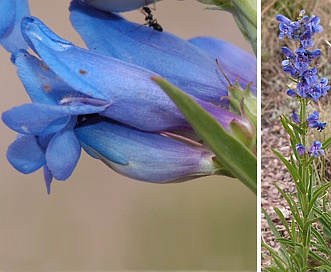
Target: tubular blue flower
x,y
105,79
295,118
128,151
11,13
46,125
313,25
301,62
313,122
117,5
310,76
68,85
300,149
314,92
316,149
285,26
289,68
232,59
302,89
323,86
187,66
306,39
288,53
291,93
313,54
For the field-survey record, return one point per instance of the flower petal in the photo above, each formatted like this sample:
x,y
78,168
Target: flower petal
x,y
151,157
188,67
117,5
41,83
128,87
41,119
25,155
11,14
62,154
235,62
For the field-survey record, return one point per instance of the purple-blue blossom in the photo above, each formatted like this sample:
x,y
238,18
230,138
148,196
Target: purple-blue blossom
x,y
313,122
111,84
301,149
316,149
295,118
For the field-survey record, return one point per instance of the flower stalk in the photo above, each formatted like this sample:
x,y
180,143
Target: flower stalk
x,y
299,64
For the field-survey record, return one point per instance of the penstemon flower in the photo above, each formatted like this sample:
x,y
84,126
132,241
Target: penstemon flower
x,y
104,101
303,248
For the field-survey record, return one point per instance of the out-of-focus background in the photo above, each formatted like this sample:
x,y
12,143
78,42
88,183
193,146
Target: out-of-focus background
x,y
99,220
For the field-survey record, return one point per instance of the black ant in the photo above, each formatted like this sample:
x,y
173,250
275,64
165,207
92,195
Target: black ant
x,y
150,21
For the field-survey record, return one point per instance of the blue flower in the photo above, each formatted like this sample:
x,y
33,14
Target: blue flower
x,y
118,6
286,26
295,118
143,155
313,25
301,62
316,149
300,149
46,125
313,122
11,13
323,86
310,76
306,39
291,93
182,63
69,85
105,78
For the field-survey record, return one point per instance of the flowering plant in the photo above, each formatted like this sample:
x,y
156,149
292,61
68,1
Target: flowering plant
x,y
304,247
114,92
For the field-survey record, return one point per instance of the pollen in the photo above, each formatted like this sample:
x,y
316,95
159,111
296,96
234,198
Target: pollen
x,y
83,72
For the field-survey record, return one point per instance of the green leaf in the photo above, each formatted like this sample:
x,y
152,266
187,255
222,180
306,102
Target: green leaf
x,y
317,194
234,156
293,171
322,244
282,218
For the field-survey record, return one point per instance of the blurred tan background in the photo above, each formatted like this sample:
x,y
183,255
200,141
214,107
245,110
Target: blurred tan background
x,y
99,220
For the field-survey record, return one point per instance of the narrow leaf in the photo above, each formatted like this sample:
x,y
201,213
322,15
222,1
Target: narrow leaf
x,y
235,157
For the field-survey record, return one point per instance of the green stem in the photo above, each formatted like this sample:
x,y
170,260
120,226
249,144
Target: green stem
x,y
303,197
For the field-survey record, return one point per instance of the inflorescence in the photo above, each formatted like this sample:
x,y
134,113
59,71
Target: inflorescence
x,y
299,66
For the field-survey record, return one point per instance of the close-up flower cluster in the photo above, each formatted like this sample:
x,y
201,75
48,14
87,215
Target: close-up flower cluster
x,y
300,67
119,98
104,99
